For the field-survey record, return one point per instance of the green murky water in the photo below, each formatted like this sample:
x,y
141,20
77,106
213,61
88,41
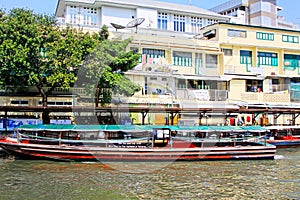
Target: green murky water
x,y
270,179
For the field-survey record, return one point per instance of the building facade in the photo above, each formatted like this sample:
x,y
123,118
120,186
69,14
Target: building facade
x,y
191,58
92,14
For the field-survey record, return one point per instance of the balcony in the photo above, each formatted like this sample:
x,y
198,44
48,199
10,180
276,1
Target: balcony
x,y
201,95
242,69
260,97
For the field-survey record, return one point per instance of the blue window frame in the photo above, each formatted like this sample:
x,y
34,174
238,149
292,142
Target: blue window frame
x,y
266,58
245,57
179,23
291,62
290,38
162,21
182,59
264,36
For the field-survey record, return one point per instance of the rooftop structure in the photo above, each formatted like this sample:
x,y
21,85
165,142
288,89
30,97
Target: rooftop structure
x,y
254,12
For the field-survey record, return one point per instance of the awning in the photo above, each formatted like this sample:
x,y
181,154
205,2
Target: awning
x,y
192,77
243,77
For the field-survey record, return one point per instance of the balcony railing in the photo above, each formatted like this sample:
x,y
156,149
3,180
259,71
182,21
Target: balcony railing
x,y
202,94
260,97
242,69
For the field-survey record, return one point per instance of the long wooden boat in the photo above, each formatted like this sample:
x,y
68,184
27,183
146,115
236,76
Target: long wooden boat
x,y
165,143
284,136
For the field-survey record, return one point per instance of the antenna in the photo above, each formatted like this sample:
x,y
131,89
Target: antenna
x,y
117,26
135,23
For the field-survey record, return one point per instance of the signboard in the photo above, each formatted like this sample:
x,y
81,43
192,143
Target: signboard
x,y
199,95
11,124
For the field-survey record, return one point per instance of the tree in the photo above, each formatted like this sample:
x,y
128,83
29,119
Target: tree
x,y
34,51
103,71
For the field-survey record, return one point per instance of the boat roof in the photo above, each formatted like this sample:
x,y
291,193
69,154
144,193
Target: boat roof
x,y
138,128
282,127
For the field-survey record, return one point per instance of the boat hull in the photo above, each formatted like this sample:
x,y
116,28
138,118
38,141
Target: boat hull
x,y
285,143
83,153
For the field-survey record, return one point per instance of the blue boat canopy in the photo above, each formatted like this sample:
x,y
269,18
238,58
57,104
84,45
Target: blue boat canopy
x,y
138,128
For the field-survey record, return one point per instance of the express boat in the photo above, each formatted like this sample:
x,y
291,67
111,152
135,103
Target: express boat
x,y
134,143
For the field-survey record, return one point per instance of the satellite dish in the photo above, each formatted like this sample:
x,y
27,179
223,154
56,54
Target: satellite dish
x,y
135,23
117,26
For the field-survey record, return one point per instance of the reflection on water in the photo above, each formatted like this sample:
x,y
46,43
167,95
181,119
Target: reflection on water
x,y
270,179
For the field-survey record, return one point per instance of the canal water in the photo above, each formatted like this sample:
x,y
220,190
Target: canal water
x,y
263,179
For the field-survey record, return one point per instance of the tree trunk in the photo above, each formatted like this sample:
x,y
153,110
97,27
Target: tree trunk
x,y
97,94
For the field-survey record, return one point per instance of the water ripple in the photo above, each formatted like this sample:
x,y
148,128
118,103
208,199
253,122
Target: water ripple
x,y
271,179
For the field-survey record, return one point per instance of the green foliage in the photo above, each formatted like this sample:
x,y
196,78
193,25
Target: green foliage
x,y
36,52
103,33
104,70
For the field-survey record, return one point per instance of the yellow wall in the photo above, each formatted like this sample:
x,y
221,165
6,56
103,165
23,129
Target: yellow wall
x,y
236,87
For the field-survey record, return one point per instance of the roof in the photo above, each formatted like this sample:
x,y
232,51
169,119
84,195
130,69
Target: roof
x,y
159,5
248,26
139,128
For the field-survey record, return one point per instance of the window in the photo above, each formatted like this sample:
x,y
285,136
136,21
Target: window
x,y
264,36
275,81
245,57
254,86
196,23
237,33
154,53
179,23
153,78
275,85
182,58
89,16
198,59
134,49
290,38
291,62
211,21
57,103
73,14
211,61
198,63
18,102
265,58
162,21
150,56
181,83
227,52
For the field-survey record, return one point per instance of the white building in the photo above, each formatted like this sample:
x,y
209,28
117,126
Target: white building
x,y
93,14
254,12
